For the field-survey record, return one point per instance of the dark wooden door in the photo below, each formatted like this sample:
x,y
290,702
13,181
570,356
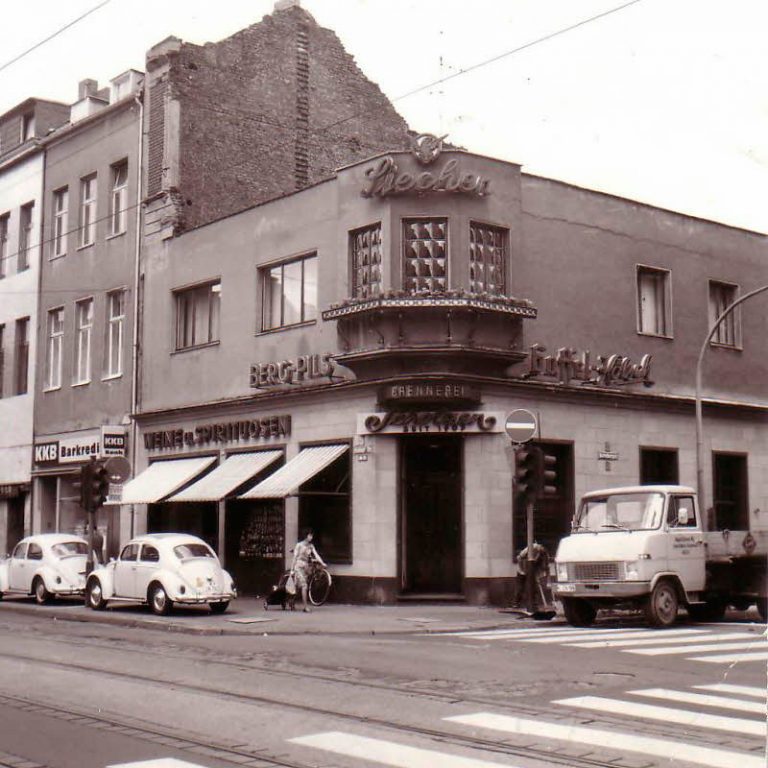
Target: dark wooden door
x,y
432,520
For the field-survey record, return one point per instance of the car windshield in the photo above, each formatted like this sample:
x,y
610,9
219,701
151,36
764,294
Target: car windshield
x,y
192,549
70,549
620,511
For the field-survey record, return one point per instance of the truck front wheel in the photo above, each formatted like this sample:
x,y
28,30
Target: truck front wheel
x,y
661,607
578,613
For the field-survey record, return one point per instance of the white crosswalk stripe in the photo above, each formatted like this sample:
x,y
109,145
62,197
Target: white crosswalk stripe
x,y
741,646
389,752
611,739
732,658
702,699
660,638
667,714
694,648
738,690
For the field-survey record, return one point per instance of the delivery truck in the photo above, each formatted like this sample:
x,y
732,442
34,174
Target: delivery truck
x,y
647,548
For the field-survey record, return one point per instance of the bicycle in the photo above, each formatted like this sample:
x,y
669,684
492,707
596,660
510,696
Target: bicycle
x,y
318,584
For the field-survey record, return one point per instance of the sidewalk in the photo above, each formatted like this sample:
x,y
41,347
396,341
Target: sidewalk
x,y
246,616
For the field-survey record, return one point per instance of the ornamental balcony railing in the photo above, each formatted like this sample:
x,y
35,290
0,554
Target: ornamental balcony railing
x,y
428,331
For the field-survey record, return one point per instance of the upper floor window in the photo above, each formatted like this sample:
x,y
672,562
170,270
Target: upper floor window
x,y
118,198
115,332
27,126
487,259
4,220
25,236
721,296
53,353
87,210
365,247
21,357
60,214
654,304
83,335
289,293
425,247
197,315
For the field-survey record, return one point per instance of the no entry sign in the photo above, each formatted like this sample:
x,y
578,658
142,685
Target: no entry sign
x,y
520,426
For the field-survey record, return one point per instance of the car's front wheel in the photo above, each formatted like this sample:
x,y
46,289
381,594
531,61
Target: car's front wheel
x,y
219,607
95,596
42,595
159,601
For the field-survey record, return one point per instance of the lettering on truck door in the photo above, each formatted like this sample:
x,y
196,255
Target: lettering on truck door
x,y
686,550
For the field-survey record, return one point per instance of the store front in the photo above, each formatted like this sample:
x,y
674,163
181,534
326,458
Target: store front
x,y
58,460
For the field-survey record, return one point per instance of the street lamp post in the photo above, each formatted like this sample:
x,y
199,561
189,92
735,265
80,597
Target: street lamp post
x,y
699,416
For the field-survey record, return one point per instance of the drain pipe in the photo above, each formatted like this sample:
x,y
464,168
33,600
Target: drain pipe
x,y
139,99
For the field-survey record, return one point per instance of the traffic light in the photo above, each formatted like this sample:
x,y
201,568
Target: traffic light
x,y
527,463
99,486
547,474
84,485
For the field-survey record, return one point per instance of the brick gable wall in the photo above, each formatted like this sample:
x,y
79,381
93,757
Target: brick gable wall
x,y
254,110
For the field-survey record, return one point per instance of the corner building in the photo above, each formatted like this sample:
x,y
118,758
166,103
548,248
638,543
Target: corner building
x,y
345,356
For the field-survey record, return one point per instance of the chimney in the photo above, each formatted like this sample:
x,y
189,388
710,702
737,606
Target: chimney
x,y
86,88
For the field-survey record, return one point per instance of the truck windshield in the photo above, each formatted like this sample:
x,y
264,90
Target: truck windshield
x,y
621,511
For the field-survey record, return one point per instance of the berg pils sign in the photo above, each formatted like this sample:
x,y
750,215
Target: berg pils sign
x,y
568,365
386,178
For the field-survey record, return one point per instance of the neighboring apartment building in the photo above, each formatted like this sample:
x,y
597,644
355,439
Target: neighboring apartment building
x,y
87,292
21,189
354,373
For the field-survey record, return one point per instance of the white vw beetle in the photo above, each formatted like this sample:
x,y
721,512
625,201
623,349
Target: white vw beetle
x,y
45,565
162,569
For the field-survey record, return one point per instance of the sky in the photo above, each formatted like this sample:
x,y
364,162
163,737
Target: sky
x,y
661,101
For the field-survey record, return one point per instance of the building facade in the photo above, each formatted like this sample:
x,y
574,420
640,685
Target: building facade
x,y
21,189
84,378
354,374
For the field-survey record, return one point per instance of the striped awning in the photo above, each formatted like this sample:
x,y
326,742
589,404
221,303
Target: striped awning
x,y
235,471
162,478
298,470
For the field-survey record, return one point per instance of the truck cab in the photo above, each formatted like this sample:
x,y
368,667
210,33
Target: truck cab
x,y
636,547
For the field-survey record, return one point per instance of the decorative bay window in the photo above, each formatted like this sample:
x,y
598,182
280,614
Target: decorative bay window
x,y
487,259
425,251
365,248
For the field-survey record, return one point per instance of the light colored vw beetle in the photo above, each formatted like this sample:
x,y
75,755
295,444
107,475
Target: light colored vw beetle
x,y
46,565
161,569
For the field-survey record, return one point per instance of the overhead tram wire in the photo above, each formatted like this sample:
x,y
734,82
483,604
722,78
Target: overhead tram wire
x,y
55,34
327,127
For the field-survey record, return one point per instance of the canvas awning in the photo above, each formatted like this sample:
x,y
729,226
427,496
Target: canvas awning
x,y
235,471
162,478
298,470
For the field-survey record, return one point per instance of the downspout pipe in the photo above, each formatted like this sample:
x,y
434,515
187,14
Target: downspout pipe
x,y
135,347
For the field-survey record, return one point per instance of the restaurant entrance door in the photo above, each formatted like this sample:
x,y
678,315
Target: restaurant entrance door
x,y
431,538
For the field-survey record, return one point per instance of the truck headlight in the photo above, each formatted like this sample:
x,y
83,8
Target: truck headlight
x,y
562,571
632,570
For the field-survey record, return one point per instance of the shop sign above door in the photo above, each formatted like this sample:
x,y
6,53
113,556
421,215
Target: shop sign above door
x,y
221,432
432,391
451,422
110,441
569,365
385,178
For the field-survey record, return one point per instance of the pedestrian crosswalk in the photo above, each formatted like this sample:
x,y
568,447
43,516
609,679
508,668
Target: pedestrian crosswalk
x,y
692,710
711,645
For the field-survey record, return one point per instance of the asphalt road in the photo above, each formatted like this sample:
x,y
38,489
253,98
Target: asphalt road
x,y
94,695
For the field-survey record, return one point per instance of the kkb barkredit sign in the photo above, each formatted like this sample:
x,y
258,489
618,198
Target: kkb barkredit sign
x,y
109,441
